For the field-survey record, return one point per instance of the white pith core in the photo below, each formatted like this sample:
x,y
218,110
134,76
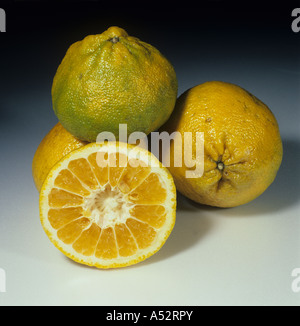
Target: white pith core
x,y
107,207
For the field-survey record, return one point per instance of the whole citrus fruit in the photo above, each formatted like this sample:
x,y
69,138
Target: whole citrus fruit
x,y
104,213
54,146
242,144
111,79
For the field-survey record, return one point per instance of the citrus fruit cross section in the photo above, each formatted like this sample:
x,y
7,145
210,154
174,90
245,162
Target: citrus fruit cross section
x,y
112,213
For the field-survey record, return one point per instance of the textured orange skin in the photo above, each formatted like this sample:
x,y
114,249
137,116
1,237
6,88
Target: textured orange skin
x,y
240,131
110,79
54,146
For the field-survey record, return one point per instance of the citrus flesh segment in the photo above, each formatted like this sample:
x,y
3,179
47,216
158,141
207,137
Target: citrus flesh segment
x,y
62,216
101,173
106,247
105,205
154,215
132,176
71,231
61,198
67,181
150,191
82,170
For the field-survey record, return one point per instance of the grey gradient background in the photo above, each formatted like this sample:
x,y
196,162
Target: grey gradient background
x,y
238,256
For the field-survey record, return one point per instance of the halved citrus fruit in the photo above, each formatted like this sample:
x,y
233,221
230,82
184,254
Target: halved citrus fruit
x,y
108,205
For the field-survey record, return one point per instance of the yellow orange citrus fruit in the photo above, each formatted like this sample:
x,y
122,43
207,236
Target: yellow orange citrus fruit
x,y
110,79
242,144
104,205
54,146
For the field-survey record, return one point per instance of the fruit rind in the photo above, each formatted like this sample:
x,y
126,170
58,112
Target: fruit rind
x,y
240,132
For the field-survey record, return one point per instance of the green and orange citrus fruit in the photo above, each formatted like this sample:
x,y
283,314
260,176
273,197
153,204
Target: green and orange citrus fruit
x,y
110,79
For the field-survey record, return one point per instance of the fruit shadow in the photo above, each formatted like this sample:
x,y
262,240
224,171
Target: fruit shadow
x,y
194,221
283,193
190,228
